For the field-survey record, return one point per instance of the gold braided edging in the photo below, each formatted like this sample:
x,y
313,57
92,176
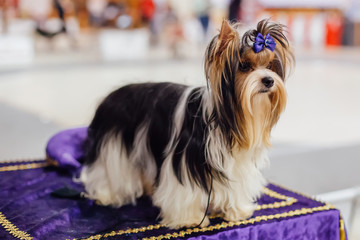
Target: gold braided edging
x,y
304,195
21,160
223,225
219,226
12,229
25,166
341,221
122,232
6,224
342,229
287,202
298,193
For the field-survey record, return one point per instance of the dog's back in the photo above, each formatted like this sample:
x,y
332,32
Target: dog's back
x,y
127,139
128,108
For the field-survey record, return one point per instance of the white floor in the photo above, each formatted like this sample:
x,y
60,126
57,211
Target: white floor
x,y
323,94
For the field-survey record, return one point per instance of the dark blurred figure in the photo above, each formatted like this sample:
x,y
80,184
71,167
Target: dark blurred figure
x,y
48,34
234,10
201,10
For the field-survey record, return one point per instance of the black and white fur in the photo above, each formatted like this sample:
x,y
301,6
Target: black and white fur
x,y
167,140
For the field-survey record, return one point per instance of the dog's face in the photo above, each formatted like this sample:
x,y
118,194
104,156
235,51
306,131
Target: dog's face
x,y
246,75
261,69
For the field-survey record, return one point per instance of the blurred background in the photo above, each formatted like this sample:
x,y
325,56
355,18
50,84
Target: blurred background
x,y
59,58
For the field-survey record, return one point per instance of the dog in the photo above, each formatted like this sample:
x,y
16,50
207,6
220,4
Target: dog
x,y
194,149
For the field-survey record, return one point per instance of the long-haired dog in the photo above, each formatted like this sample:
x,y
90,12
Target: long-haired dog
x,y
193,148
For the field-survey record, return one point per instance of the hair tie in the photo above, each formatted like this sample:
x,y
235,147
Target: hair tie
x,y
261,42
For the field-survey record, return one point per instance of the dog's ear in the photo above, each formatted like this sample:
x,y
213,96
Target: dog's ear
x,y
227,34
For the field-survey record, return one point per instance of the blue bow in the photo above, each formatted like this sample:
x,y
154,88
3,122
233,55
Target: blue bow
x,y
261,42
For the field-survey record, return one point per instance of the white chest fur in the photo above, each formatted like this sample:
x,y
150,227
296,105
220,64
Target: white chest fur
x,y
237,198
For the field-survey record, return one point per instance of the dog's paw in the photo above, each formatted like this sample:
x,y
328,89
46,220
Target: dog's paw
x,y
103,197
188,223
205,223
237,214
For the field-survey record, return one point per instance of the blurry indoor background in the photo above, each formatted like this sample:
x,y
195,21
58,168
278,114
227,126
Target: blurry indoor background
x,y
59,58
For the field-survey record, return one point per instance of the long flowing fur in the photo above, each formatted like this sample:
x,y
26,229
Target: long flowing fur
x,y
172,141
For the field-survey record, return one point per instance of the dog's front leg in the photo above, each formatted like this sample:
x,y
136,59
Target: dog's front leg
x,y
181,204
240,212
231,201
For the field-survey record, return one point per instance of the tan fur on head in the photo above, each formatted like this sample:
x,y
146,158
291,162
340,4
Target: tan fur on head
x,y
261,111
284,54
226,36
243,107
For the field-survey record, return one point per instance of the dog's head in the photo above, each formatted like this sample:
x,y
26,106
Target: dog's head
x,y
246,75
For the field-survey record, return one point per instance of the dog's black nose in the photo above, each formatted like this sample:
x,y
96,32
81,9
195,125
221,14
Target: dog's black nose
x,y
268,82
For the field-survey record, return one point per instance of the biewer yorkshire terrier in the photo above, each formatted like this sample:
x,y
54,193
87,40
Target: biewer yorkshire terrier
x,y
194,149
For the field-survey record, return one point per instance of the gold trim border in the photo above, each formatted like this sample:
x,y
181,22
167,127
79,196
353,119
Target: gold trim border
x,y
4,222
26,166
287,202
219,226
12,229
22,160
223,225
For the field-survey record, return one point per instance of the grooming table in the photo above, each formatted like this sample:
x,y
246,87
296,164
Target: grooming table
x,y
29,209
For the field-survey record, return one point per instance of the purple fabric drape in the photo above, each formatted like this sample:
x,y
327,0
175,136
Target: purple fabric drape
x,y
66,147
28,210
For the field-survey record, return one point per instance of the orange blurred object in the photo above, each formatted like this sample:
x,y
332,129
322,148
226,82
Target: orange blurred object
x,y
334,29
147,9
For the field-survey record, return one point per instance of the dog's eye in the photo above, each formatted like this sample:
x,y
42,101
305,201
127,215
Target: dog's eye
x,y
269,66
245,66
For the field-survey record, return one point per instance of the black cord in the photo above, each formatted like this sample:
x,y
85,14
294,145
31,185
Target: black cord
x,y
208,202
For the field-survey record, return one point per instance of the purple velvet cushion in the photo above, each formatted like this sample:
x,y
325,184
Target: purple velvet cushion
x,y
65,149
